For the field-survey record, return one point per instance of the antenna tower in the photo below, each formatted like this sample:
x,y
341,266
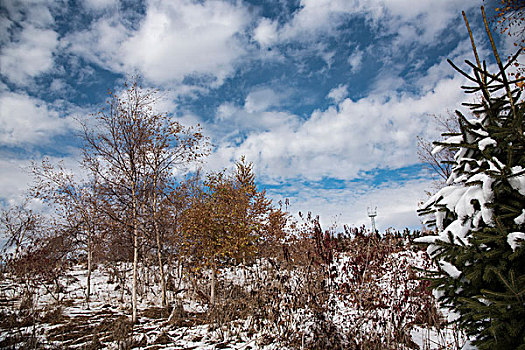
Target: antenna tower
x,y
372,213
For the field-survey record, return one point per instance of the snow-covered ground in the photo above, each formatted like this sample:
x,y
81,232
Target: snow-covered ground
x,y
382,301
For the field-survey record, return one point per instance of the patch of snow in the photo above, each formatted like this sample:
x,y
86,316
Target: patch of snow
x,y
426,239
514,238
495,164
450,269
458,231
520,220
518,182
446,338
482,133
454,140
487,181
436,150
484,143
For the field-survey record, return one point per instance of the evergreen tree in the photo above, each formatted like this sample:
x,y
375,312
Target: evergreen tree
x,y
479,215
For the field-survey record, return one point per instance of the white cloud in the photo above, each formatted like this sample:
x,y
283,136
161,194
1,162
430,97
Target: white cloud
x,y
181,38
174,40
100,44
261,99
231,120
339,93
317,16
33,12
59,86
15,179
28,40
378,131
16,176
26,120
355,60
422,21
30,55
408,20
266,32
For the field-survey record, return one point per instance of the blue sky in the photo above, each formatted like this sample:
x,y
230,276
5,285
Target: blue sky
x,y
325,97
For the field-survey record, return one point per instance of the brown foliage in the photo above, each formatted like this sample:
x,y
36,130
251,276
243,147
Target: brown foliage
x,y
510,19
225,216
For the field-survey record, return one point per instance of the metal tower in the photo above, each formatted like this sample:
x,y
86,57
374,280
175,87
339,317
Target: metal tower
x,y
372,213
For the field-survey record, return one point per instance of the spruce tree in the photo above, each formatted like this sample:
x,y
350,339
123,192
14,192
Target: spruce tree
x,y
479,215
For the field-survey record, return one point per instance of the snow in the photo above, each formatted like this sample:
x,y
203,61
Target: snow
x,y
495,164
392,280
514,239
488,194
436,150
448,197
440,216
484,143
458,230
482,133
454,140
520,220
450,269
518,182
449,338
426,239
463,201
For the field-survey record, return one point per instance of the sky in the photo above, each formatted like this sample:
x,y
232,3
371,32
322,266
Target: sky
x,y
325,97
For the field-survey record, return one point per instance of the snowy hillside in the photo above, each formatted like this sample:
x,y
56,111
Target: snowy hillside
x,y
368,296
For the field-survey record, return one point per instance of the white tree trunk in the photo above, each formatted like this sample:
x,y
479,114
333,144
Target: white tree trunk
x,y
135,257
213,283
89,267
159,245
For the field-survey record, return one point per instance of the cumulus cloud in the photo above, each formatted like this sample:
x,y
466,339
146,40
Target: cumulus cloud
x,y
422,21
15,179
100,43
28,56
16,176
317,17
28,39
25,120
232,122
180,38
174,40
33,12
409,21
378,131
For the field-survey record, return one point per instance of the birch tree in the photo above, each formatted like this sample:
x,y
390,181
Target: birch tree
x,y
134,149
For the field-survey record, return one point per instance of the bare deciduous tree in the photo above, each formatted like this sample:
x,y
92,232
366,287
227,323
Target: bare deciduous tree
x,y
439,163
19,225
76,202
